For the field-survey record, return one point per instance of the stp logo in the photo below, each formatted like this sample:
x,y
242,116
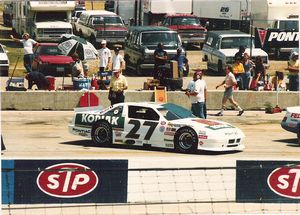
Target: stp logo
x,y
285,181
67,180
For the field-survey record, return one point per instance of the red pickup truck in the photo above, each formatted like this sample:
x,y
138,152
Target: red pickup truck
x,y
188,27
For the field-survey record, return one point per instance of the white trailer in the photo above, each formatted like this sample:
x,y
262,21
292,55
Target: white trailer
x,y
43,20
268,13
223,14
154,10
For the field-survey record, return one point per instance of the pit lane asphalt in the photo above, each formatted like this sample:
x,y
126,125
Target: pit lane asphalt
x,y
44,135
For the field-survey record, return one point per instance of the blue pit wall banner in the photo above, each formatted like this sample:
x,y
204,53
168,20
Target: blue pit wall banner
x,y
268,181
64,181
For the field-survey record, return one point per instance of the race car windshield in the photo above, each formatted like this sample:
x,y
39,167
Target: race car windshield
x,y
173,112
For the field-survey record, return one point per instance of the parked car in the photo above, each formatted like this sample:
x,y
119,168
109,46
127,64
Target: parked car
x,y
291,121
221,46
141,43
4,61
188,27
98,25
49,60
156,125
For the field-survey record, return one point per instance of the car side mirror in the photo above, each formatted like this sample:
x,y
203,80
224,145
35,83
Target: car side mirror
x,y
184,44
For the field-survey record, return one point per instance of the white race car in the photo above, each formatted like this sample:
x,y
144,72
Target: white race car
x,y
156,125
291,120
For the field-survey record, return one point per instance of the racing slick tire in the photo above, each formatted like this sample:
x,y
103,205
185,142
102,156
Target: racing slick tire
x,y
186,140
102,133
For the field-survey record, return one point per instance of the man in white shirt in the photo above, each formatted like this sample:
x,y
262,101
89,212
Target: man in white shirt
x,y
228,84
28,45
198,94
105,57
117,61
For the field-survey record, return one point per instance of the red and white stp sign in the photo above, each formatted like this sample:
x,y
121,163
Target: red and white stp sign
x,y
285,181
67,180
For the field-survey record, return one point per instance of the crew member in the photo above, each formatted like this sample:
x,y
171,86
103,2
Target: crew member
x,y
118,84
160,58
38,79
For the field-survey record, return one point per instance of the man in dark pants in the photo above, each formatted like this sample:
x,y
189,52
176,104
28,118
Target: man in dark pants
x,y
118,84
37,78
160,58
28,45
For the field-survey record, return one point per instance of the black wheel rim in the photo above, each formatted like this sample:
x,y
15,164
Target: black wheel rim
x,y
185,141
101,135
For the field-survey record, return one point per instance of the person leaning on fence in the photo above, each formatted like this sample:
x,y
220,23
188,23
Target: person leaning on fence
x,y
28,45
118,84
293,68
38,79
228,84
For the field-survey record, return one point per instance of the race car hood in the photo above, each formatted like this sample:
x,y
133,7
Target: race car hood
x,y
295,109
56,59
208,127
53,24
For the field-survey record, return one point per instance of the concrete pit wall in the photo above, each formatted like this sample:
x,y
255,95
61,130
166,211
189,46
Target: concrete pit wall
x,y
67,100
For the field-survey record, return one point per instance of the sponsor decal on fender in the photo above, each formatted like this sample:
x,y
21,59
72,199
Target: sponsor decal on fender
x,y
285,181
67,180
295,115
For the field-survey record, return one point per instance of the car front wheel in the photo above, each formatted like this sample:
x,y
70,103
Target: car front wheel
x,y
102,133
186,140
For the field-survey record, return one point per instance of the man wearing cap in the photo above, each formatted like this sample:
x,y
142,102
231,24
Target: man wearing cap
x,y
117,60
198,94
293,67
118,84
28,45
105,57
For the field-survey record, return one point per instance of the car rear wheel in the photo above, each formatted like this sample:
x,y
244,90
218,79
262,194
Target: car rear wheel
x,y
186,140
102,133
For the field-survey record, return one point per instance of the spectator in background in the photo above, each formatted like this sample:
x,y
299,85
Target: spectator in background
x,y
259,74
238,71
293,68
77,68
278,81
160,58
197,92
28,45
38,79
118,84
240,53
182,63
248,65
228,84
105,57
117,60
